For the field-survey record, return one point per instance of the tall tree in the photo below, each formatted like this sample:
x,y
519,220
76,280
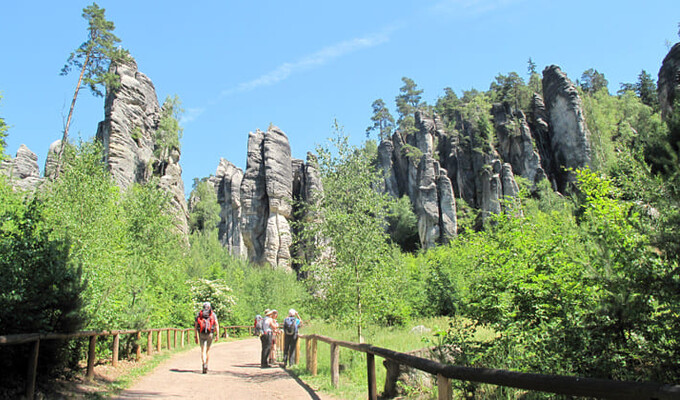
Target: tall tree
x,y
592,81
93,59
408,101
383,122
357,280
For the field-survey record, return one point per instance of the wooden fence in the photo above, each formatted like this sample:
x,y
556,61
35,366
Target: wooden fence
x,y
567,385
35,338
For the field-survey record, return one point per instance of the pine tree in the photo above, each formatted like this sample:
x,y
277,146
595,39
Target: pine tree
x,y
93,58
383,122
408,101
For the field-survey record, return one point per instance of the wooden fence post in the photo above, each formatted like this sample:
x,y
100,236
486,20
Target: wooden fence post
x,y
116,344
138,347
182,339
297,352
32,370
444,388
158,341
372,385
167,334
91,355
174,338
149,343
313,358
335,364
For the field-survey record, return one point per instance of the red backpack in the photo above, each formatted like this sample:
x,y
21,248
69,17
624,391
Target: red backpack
x,y
206,321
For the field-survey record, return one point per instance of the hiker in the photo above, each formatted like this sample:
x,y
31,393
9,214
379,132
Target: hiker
x,y
207,329
269,326
275,331
290,330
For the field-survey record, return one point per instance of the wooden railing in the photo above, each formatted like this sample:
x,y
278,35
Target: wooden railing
x,y
567,385
35,338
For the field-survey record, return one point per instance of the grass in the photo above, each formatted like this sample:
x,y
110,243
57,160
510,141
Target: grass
x,y
353,373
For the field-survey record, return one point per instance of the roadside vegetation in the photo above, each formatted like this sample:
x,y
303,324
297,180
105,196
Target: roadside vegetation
x,y
584,284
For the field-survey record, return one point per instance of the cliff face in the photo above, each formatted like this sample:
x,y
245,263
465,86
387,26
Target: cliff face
x,y
569,138
131,117
669,80
257,206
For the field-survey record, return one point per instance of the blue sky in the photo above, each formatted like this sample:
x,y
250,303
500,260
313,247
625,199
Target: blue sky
x,y
238,66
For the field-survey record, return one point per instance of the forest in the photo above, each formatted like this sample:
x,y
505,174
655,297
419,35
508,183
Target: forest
x,y
584,282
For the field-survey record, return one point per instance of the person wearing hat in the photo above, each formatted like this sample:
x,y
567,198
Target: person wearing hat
x,y
207,329
269,327
290,330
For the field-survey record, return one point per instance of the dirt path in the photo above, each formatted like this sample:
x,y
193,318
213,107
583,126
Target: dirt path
x,y
234,373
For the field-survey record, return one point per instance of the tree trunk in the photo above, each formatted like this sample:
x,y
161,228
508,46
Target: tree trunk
x,y
70,115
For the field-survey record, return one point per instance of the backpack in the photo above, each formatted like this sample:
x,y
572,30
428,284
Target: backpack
x,y
289,326
259,325
206,321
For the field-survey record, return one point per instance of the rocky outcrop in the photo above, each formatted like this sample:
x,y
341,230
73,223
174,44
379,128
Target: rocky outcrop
x,y
254,201
278,173
515,143
569,135
131,120
227,184
51,161
266,198
258,206
410,169
131,117
22,170
668,85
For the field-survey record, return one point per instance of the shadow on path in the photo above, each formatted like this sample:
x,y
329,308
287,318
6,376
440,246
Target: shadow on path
x,y
309,390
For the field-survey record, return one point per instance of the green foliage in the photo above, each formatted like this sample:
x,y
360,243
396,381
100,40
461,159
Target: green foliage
x,y
621,125
132,235
590,299
592,81
97,52
40,289
356,280
169,132
511,89
205,211
217,293
412,153
403,225
408,101
383,122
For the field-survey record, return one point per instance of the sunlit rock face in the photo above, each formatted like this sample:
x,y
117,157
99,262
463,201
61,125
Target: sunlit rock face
x,y
22,170
568,134
131,118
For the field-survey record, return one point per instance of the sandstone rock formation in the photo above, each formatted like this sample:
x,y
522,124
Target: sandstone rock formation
x,y
131,118
569,135
668,85
409,169
227,184
51,161
22,170
516,145
257,207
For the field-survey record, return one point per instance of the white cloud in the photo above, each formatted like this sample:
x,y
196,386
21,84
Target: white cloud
x,y
191,114
324,56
